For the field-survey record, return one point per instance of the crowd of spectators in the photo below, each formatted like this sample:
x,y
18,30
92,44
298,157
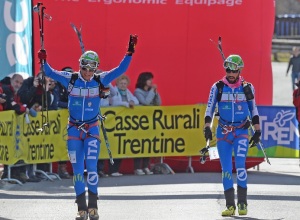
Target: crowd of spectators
x,y
11,100
40,93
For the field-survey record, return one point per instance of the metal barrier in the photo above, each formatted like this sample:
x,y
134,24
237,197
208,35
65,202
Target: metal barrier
x,y
283,45
287,25
47,175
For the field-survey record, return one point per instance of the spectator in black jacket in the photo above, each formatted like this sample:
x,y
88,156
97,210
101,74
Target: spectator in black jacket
x,y
31,92
13,102
294,62
5,80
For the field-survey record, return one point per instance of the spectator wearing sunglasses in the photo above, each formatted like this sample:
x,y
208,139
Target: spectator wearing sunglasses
x,y
236,104
83,127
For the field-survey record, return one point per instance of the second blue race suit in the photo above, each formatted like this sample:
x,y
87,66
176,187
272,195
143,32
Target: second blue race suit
x,y
83,130
234,110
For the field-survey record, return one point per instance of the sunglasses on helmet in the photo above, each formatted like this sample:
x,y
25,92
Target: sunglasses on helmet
x,y
232,66
88,63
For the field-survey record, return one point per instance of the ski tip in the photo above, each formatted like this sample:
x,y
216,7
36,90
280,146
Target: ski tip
x,y
73,26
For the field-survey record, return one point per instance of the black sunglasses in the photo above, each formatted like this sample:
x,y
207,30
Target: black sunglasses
x,y
231,71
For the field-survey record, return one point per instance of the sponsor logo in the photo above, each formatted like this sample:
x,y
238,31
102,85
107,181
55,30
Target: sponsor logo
x,y
241,174
92,178
76,103
281,130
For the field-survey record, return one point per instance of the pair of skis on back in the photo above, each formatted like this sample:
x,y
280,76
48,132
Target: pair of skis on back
x,y
204,151
100,116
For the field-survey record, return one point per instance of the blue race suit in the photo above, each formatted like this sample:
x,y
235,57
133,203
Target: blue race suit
x,y
232,134
84,106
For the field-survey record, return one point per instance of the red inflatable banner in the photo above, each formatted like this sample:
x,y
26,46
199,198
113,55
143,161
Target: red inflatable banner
x,y
174,41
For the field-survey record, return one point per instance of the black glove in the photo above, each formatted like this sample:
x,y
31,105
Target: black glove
x,y
207,133
255,138
132,44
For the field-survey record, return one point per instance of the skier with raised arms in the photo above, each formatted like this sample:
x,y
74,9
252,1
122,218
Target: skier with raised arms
x,y
85,90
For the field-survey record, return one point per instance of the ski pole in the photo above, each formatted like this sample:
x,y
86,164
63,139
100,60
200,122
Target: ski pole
x,y
261,147
39,8
102,118
36,9
204,150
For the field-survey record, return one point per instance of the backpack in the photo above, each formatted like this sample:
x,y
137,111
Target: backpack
x,y
104,92
246,87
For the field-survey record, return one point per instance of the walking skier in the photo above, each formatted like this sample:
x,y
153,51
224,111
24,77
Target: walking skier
x,y
85,90
235,101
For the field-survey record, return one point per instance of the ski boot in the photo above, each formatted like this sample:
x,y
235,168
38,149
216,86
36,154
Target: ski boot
x,y
93,214
242,200
82,207
81,215
242,209
229,211
230,204
92,206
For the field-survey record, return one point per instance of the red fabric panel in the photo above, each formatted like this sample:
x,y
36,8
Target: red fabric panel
x,y
174,41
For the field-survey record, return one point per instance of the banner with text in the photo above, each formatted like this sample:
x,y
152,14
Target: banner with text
x,y
16,38
151,131
155,130
280,135
9,147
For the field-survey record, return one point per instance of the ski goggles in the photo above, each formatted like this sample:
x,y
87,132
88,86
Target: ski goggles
x,y
85,68
88,63
228,70
67,69
232,66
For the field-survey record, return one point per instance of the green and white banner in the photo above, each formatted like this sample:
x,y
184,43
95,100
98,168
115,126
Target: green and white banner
x,y
16,37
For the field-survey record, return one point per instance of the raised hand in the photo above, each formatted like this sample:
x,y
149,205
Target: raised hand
x,y
132,44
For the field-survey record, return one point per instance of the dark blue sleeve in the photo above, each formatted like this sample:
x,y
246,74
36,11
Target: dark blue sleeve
x,y
54,104
62,104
